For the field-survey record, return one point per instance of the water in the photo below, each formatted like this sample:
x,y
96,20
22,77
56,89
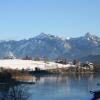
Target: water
x,y
63,87
68,87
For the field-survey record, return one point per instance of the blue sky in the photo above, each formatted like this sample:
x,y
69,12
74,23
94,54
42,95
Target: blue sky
x,y
68,18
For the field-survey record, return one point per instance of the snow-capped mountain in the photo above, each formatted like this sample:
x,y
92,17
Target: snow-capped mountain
x,y
85,45
43,45
50,46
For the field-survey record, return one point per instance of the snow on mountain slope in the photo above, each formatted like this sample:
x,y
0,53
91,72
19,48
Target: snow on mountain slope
x,y
52,47
85,45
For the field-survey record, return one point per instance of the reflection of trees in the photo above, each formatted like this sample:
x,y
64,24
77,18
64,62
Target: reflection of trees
x,y
17,92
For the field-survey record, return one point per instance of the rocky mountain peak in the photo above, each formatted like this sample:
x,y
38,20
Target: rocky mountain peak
x,y
94,39
89,36
49,36
52,46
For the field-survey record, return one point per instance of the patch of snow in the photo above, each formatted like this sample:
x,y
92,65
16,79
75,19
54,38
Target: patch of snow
x,y
29,64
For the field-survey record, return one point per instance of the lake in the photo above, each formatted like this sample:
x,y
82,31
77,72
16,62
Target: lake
x,y
61,87
65,87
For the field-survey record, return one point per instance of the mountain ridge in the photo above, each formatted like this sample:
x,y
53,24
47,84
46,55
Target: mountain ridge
x,y
52,47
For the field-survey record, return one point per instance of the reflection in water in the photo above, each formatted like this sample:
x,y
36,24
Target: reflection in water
x,y
61,87
25,78
15,92
70,87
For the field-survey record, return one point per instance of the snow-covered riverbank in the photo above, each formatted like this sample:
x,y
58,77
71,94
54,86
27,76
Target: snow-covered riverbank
x,y
30,64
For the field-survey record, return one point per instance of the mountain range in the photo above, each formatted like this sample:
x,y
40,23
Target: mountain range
x,y
52,47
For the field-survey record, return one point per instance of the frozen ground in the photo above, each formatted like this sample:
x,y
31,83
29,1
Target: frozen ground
x,y
29,64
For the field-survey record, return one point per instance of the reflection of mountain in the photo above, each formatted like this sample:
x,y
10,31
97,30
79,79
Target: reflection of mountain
x,y
51,46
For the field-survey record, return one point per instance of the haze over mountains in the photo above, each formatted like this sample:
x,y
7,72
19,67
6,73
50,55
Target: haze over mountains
x,y
52,47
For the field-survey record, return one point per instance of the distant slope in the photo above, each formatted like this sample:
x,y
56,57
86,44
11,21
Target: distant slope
x,y
42,45
92,58
85,45
52,47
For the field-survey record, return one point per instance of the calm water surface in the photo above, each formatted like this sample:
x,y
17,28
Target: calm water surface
x,y
61,87
67,87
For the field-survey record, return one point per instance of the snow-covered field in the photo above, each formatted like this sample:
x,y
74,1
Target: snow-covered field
x,y
29,64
